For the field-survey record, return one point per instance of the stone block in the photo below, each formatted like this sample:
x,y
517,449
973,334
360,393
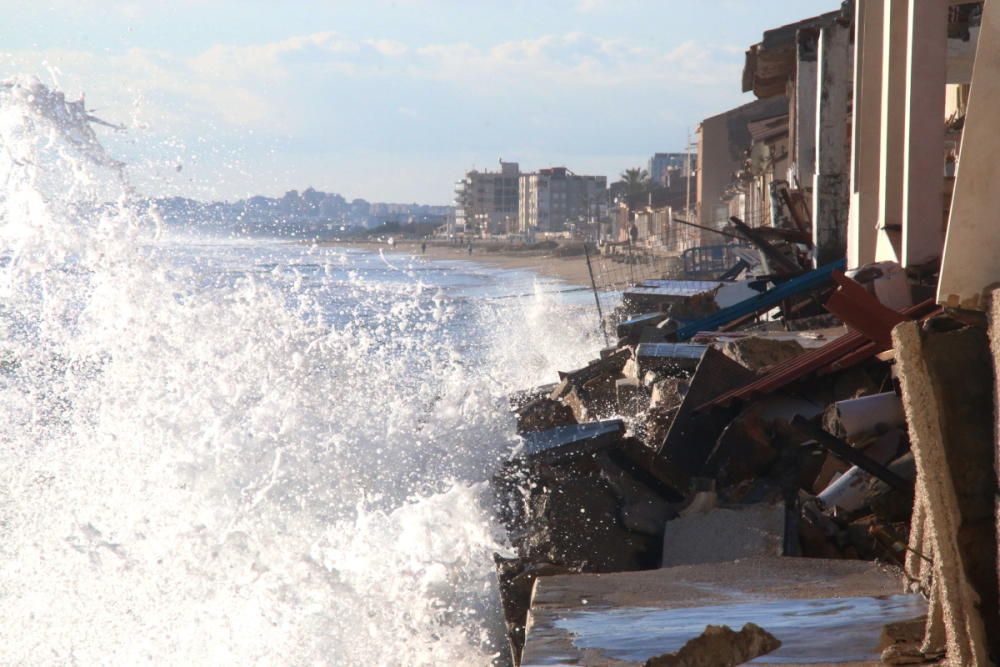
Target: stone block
x,y
723,534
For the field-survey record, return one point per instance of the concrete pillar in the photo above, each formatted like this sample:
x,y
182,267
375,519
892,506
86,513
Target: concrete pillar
x,y
862,222
805,106
947,382
923,160
971,262
892,133
830,184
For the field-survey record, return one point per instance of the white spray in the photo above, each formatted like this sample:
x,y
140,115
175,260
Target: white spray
x,y
223,473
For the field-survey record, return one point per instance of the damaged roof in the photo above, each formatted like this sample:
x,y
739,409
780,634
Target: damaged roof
x,y
770,63
768,128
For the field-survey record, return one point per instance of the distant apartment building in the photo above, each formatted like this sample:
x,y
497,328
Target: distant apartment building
x,y
723,141
553,199
663,166
487,201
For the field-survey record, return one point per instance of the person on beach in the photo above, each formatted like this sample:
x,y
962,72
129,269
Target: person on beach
x,y
470,247
423,247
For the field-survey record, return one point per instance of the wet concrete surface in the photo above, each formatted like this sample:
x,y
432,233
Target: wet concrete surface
x,y
824,611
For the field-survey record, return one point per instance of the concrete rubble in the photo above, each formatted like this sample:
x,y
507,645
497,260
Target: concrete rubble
x,y
822,427
658,455
720,646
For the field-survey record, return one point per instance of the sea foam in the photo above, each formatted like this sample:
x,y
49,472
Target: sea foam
x,y
279,461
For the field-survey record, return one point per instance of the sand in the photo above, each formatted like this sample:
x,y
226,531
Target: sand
x,y
573,270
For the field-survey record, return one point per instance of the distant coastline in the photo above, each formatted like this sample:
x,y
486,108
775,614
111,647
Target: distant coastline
x,y
573,269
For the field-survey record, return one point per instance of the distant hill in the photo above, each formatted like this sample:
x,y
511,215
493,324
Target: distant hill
x,y
306,214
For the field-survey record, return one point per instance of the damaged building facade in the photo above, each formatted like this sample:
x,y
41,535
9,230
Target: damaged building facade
x,y
795,457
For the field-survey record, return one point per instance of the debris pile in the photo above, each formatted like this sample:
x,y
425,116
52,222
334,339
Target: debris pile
x,y
715,433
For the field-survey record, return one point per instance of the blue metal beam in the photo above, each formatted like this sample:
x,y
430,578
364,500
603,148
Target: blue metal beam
x,y
765,301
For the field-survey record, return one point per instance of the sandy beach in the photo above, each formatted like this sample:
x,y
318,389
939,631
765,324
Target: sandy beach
x,y
573,270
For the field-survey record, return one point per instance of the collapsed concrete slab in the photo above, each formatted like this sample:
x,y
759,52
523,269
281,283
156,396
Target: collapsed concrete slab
x,y
690,439
822,611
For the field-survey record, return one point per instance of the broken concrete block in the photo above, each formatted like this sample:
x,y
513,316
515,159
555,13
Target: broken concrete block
x,y
757,352
720,646
574,399
590,400
691,439
642,508
600,396
567,442
743,451
519,399
725,534
661,333
630,395
543,414
634,325
650,378
668,358
648,467
607,365
667,393
655,423
575,523
631,369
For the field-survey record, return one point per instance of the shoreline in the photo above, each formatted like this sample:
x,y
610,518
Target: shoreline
x,y
572,270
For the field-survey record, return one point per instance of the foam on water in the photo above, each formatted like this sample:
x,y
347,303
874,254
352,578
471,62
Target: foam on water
x,y
277,462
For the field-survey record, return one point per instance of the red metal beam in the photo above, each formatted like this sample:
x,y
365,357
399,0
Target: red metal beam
x,y
850,349
861,311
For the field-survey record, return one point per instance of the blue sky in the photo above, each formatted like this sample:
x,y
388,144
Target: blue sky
x,y
390,101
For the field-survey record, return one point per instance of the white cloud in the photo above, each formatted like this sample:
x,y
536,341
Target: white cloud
x,y
253,85
556,90
387,47
588,6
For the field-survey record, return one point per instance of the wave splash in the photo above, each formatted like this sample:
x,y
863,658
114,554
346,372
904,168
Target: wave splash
x,y
228,472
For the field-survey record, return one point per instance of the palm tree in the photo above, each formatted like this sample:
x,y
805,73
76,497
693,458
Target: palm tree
x,y
636,180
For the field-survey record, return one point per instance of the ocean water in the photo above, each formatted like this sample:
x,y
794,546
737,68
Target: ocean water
x,y
222,451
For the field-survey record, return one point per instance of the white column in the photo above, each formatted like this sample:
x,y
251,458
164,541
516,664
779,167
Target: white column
x,y
971,262
923,161
805,106
890,191
862,222
830,184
